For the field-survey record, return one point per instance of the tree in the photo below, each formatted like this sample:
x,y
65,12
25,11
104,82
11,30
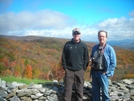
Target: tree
x,y
58,72
36,73
28,72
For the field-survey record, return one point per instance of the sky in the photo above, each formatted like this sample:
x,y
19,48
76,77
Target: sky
x,y
57,18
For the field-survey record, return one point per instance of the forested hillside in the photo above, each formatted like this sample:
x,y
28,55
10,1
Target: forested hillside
x,y
41,58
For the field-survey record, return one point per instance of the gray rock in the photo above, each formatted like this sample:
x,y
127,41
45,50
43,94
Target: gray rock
x,y
3,84
34,97
15,98
42,90
120,93
55,90
126,81
34,91
10,95
130,86
23,87
122,90
38,95
132,92
115,93
3,93
110,82
16,84
15,89
42,98
86,97
2,99
48,92
9,85
52,97
25,98
126,97
132,97
113,89
9,90
85,84
114,98
55,82
24,92
35,86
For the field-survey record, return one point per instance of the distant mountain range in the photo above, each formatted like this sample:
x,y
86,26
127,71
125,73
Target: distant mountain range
x,y
127,44
23,38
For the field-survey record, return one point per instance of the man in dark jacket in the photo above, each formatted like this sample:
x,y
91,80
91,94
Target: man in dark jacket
x,y
75,61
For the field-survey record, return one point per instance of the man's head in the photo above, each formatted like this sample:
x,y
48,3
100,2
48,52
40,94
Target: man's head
x,y
76,34
102,37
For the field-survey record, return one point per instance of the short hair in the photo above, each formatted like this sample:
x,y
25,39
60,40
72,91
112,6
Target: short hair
x,y
102,31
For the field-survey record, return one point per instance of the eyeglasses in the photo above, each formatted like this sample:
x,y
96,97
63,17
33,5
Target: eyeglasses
x,y
76,33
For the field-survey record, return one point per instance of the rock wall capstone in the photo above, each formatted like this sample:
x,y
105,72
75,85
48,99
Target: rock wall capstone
x,y
122,90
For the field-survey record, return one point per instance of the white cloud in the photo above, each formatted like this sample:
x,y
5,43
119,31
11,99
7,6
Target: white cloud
x,y
37,20
118,28
55,24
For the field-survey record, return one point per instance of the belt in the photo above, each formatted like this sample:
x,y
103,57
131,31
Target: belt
x,y
102,70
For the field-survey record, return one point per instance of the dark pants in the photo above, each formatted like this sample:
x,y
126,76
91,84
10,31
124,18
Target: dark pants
x,y
76,78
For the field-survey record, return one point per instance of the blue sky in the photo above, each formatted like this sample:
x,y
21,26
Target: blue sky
x,y
57,18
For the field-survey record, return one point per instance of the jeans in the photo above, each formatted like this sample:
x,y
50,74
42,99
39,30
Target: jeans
x,y
100,80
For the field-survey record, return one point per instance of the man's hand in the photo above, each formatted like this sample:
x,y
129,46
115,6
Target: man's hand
x,y
104,73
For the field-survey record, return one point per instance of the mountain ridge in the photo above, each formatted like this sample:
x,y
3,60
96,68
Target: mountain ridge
x,y
126,44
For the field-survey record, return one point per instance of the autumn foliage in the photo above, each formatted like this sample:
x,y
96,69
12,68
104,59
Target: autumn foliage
x,y
41,59
128,76
28,72
6,72
58,72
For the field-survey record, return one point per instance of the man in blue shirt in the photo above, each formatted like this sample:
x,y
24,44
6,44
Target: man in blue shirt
x,y
103,59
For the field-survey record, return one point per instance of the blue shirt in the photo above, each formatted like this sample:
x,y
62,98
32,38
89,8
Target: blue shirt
x,y
110,57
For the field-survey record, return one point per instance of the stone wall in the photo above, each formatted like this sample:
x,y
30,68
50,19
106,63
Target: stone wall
x,y
122,90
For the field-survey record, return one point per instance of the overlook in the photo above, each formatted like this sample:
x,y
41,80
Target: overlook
x,y
40,57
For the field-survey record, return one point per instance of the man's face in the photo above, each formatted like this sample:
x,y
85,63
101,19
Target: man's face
x,y
76,36
102,38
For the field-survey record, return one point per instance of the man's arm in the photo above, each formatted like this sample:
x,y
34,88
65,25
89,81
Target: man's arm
x,y
64,58
86,58
112,60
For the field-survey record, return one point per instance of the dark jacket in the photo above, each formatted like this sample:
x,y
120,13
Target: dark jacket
x,y
75,56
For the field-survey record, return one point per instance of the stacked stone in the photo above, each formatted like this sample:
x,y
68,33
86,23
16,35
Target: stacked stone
x,y
122,90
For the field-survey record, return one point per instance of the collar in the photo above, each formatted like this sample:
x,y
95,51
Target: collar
x,y
75,42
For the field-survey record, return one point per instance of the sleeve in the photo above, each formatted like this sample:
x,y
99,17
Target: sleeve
x,y
112,63
64,57
86,58
91,55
